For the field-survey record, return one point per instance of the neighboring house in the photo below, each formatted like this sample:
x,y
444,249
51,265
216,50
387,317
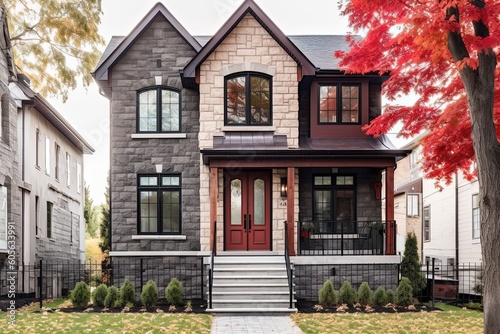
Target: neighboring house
x,y
408,197
10,194
230,136
51,153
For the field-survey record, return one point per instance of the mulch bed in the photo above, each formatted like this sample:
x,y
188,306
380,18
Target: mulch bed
x,y
311,307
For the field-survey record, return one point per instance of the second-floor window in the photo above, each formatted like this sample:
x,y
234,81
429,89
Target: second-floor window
x,y
47,155
427,223
412,205
248,99
475,217
49,219
339,104
158,110
57,169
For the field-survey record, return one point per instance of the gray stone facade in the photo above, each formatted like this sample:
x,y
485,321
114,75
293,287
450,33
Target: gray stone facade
x,y
135,70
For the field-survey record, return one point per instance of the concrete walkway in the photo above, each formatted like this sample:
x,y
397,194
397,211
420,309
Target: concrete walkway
x,y
253,324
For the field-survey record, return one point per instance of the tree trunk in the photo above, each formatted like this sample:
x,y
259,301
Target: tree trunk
x,y
479,85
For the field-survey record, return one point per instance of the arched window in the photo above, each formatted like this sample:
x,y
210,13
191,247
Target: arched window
x,y
158,110
248,99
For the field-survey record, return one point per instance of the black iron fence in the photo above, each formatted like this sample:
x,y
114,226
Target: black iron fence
x,y
454,283
343,237
46,280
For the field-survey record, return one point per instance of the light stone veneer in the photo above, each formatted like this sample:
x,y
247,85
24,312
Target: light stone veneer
x,y
248,47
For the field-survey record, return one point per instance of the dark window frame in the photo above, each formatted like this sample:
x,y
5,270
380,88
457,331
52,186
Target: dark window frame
x,y
426,222
159,110
248,76
339,86
50,215
159,189
334,187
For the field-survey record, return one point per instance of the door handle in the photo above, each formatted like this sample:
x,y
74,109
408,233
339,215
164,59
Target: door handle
x,y
250,222
245,221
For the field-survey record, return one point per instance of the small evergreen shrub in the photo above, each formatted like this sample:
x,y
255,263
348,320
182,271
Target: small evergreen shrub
x,y
380,297
127,293
365,294
411,266
174,292
390,296
347,294
149,294
404,292
80,296
99,295
327,295
112,297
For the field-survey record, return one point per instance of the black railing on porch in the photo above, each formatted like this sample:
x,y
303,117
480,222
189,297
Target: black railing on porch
x,y
289,271
343,237
212,264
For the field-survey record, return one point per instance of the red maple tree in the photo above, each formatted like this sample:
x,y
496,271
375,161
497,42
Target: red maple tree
x,y
446,52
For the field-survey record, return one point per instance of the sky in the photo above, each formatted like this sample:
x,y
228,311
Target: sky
x,y
88,111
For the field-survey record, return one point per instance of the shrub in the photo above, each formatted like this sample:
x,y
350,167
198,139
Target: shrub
x,y
380,297
174,292
127,293
347,294
365,294
99,295
390,296
327,294
80,296
112,297
149,294
404,292
411,266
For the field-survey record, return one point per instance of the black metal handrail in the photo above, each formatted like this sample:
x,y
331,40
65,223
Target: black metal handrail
x,y
289,270
344,237
212,264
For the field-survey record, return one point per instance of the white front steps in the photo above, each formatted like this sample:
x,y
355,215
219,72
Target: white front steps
x,y
248,284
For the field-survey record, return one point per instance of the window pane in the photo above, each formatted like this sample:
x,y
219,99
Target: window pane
x,y
412,205
147,111
171,211
345,205
236,201
476,232
322,180
236,101
3,214
148,181
328,104
170,180
427,223
345,180
259,202
350,104
170,111
259,101
149,209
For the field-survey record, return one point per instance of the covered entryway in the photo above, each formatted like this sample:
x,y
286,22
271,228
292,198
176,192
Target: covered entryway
x,y
247,210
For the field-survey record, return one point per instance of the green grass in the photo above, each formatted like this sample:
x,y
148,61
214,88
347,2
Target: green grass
x,y
28,320
453,320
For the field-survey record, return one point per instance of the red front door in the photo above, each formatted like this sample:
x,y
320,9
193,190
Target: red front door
x,y
248,211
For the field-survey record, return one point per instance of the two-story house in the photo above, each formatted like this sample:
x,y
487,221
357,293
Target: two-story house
x,y
217,141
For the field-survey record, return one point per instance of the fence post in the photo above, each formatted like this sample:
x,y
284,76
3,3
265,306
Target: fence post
x,y
40,285
202,273
433,273
141,270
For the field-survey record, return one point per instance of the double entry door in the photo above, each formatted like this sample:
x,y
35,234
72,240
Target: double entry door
x,y
247,210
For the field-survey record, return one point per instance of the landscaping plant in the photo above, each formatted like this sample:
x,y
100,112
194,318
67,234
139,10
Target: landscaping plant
x,y
149,295
127,293
174,292
80,296
347,294
99,295
390,296
380,297
112,298
404,292
365,294
411,266
327,295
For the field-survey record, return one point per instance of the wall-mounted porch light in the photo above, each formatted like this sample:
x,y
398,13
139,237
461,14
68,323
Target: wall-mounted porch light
x,y
283,187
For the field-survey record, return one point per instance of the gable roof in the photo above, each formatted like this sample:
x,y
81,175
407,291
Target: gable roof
x,y
116,51
248,7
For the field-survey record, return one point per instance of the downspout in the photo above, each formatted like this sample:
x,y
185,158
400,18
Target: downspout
x,y
456,225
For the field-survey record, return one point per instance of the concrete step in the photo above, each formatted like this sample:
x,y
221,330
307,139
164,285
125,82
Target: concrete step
x,y
268,310
264,304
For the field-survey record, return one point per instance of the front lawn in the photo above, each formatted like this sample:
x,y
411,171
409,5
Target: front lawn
x,y
453,320
29,320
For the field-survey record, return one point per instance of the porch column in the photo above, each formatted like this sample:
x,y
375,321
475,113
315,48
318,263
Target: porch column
x,y
390,247
290,205
214,190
